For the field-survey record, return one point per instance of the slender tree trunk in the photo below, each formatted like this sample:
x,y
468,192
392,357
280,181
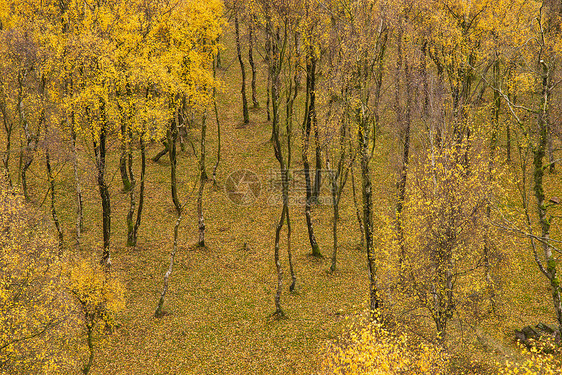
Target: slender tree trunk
x,y
79,201
293,92
125,151
311,80
243,69
508,144
335,207
404,172
131,240
252,37
172,136
23,123
425,83
267,101
493,148
20,161
53,199
218,129
90,340
268,56
32,140
366,124
552,163
274,61
513,99
26,164
357,210
307,124
161,153
545,221
405,153
314,123
290,253
375,301
443,297
278,310
100,152
202,180
338,180
8,127
219,55
141,193
160,308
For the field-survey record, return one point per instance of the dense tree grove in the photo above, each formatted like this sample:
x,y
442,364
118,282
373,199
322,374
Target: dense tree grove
x,y
428,131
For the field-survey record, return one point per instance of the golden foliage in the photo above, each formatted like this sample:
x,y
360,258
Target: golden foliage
x,y
375,350
35,329
115,61
100,296
39,324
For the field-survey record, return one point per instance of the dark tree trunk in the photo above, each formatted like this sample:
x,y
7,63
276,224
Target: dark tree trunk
x,y
105,200
202,180
131,240
307,125
125,152
134,235
100,152
293,91
375,301
314,124
252,37
53,199
488,246
357,210
172,137
243,69
31,139
25,167
90,340
79,201
539,152
551,162
404,173
8,127
218,130
161,153
268,96
338,180
219,59
278,310
268,61
335,207
274,61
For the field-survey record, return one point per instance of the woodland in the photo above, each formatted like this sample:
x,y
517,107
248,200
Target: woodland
x,y
280,187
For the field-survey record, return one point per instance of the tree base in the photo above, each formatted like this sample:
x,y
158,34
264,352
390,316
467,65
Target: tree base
x,y
278,315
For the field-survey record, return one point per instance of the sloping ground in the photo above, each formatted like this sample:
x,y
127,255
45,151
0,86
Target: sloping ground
x,y
220,297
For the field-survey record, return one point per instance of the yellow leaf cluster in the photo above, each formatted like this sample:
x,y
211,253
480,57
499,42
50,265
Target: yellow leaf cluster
x,y
108,63
374,350
100,296
35,329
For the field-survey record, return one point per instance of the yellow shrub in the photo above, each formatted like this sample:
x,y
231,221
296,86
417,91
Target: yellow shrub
x,y
374,350
35,326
